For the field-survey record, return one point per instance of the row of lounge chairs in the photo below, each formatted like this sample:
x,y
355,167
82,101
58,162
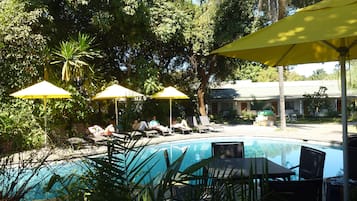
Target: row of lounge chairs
x,y
202,126
206,124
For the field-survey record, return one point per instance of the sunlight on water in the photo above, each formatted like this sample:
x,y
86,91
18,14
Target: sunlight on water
x,y
285,152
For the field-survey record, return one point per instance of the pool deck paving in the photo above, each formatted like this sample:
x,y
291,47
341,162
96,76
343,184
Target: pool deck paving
x,y
326,133
330,133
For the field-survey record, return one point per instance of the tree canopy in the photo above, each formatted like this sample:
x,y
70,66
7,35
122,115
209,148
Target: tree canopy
x,y
85,45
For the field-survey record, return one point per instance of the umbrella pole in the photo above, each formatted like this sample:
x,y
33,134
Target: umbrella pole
x,y
170,114
116,112
44,109
343,54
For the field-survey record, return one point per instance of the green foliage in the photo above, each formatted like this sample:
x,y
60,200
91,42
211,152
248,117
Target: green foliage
x,y
148,76
102,20
233,20
64,114
317,101
19,174
21,45
152,85
130,111
169,21
117,176
318,74
20,129
303,3
247,72
268,75
293,76
126,173
248,115
74,55
215,24
144,44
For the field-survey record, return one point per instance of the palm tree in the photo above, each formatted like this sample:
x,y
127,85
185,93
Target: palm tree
x,y
74,54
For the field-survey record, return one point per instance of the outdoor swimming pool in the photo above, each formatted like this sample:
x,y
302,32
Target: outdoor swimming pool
x,y
282,151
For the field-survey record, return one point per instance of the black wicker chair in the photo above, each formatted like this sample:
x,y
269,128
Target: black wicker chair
x,y
228,149
309,185
312,163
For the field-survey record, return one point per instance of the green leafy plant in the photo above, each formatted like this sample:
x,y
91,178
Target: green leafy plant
x,y
126,173
19,174
248,115
317,101
20,129
73,54
116,176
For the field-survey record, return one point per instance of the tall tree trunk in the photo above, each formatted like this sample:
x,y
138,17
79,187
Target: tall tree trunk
x,y
201,91
195,61
201,100
282,98
281,14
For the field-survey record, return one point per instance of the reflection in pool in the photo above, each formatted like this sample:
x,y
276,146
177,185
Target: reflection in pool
x,y
282,151
285,152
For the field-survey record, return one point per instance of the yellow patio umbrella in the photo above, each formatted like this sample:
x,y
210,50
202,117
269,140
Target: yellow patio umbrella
x,y
117,92
42,90
170,93
326,31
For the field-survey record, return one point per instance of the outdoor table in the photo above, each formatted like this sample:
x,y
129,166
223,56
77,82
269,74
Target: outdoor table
x,y
238,168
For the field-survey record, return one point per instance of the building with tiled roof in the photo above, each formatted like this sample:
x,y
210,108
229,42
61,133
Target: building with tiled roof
x,y
246,95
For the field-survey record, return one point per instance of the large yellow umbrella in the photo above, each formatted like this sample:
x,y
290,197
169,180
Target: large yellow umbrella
x,y
318,33
326,31
117,92
170,93
42,90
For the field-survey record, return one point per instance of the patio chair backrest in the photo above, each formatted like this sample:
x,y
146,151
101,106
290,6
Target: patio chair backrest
x,y
312,162
192,121
228,149
205,120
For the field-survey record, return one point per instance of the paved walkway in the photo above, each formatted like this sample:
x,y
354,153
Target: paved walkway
x,y
330,133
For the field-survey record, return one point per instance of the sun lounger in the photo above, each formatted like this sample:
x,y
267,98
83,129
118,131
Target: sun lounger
x,y
120,135
182,130
210,125
181,127
192,122
76,142
137,134
97,139
147,133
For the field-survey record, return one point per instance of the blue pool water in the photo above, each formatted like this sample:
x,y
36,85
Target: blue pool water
x,y
284,152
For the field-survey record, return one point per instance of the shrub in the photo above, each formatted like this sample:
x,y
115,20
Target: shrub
x,y
248,115
19,127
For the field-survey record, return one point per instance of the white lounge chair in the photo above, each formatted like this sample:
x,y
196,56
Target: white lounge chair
x,y
210,125
192,122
